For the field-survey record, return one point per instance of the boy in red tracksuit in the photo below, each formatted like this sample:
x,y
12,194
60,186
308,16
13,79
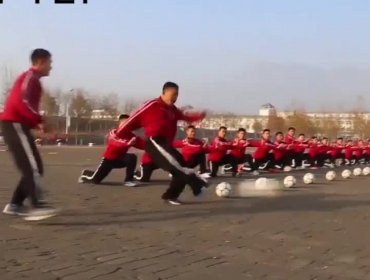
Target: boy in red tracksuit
x,y
263,154
289,140
359,151
218,153
193,150
298,147
238,148
349,152
336,151
324,152
367,151
20,116
313,152
115,156
280,151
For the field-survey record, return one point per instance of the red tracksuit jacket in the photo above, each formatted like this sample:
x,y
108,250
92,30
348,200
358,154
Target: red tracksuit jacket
x,y
190,148
218,149
238,147
289,139
280,150
23,102
263,148
158,120
117,147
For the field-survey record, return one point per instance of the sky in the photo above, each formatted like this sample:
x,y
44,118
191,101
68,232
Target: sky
x,y
226,55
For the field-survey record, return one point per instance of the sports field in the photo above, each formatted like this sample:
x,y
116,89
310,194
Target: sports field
x,y
314,231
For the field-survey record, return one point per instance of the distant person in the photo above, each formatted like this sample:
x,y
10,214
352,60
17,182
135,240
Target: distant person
x,y
193,150
218,153
20,116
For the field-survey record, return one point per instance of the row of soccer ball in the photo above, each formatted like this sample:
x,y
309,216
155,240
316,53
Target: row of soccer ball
x,y
224,189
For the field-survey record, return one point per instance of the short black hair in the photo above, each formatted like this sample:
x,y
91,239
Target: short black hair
x,y
325,138
38,54
265,130
302,134
241,129
314,137
222,127
340,138
291,128
278,133
170,85
190,127
123,117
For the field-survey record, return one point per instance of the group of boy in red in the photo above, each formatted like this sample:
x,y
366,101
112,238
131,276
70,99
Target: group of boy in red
x,y
270,155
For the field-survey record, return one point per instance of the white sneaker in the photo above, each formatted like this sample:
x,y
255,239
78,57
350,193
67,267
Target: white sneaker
x,y
255,173
40,213
170,175
130,184
15,210
175,202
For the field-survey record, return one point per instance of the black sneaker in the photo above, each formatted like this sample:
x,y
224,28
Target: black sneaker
x,y
39,213
175,202
15,210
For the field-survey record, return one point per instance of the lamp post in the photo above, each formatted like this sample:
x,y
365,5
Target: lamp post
x,y
68,117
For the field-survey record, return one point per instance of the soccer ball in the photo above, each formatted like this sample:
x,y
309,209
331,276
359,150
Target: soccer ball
x,y
223,189
366,171
287,169
346,173
330,175
308,178
261,183
289,181
357,171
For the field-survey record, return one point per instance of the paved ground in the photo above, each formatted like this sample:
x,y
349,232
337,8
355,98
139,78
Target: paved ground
x,y
113,232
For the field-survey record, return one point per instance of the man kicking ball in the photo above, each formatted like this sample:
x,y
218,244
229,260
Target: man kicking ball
x,y
159,119
116,156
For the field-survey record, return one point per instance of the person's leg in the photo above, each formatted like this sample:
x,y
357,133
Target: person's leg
x,y
202,162
230,159
15,136
104,168
129,161
214,166
167,158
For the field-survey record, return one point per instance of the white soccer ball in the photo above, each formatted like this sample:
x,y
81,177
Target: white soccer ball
x,y
330,175
366,171
261,184
309,178
287,168
289,181
357,171
346,173
223,189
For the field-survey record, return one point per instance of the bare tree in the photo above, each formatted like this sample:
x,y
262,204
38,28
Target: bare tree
x,y
7,79
302,122
49,104
257,127
109,104
275,123
129,105
330,127
80,106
